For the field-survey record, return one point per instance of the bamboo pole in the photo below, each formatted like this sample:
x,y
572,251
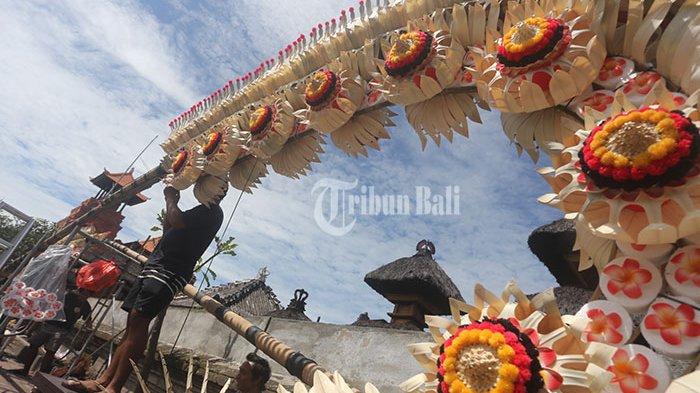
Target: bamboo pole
x,y
143,182
295,362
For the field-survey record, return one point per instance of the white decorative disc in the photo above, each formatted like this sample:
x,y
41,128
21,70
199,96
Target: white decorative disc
x,y
631,283
654,253
638,369
609,323
673,328
683,273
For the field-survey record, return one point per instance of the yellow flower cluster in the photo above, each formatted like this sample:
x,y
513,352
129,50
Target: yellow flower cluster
x,y
318,84
507,372
257,117
533,27
399,51
664,126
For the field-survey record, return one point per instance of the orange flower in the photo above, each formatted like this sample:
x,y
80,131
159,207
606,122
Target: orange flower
x,y
631,374
603,327
673,322
688,267
629,278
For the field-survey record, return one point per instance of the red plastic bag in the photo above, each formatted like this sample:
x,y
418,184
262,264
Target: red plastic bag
x,y
98,275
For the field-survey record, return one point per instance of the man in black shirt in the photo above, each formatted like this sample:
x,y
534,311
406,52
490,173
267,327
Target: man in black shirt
x,y
186,235
51,334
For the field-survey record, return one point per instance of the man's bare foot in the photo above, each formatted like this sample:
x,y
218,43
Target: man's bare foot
x,y
88,386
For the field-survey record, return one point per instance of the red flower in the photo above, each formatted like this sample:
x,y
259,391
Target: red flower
x,y
552,379
631,374
603,327
613,66
629,278
642,83
598,101
673,323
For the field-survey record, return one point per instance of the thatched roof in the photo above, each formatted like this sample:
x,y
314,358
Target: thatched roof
x,y
553,245
250,297
416,275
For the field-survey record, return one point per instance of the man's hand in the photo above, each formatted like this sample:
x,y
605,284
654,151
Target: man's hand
x,y
171,194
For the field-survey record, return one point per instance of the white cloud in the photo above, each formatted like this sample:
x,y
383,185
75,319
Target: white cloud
x,y
90,87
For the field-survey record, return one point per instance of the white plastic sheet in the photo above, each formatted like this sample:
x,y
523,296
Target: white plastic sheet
x,y
38,292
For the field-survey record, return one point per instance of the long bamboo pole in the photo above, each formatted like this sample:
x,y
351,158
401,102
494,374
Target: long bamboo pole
x,y
143,182
295,362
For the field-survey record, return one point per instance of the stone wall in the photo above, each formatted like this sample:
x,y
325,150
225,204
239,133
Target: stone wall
x,y
360,354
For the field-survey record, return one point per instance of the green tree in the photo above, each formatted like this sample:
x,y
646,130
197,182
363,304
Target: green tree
x,y
10,226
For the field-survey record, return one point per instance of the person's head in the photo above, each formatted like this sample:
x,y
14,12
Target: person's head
x,y
253,374
210,190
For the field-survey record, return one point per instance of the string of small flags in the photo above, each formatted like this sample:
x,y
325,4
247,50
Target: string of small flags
x,y
295,48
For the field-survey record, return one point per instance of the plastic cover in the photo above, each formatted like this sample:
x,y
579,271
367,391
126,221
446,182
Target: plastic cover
x,y
38,292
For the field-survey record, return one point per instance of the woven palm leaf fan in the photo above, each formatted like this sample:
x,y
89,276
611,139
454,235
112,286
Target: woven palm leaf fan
x,y
295,158
662,32
220,149
247,173
549,130
185,170
502,345
634,176
594,250
544,55
363,131
269,125
325,384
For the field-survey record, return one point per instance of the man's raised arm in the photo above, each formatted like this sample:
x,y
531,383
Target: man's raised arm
x,y
173,215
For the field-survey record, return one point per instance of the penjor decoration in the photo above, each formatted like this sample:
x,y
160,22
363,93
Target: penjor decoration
x,y
500,346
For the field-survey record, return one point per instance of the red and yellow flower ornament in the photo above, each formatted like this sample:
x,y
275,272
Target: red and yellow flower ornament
x,y
185,168
269,126
497,347
632,176
419,64
220,149
540,61
332,97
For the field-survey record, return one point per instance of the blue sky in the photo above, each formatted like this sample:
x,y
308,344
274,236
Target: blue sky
x,y
92,83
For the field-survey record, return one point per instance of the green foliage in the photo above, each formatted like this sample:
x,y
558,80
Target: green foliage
x,y
10,226
225,247
161,220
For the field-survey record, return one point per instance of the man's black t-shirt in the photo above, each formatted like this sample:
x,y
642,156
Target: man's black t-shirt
x,y
75,308
173,260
